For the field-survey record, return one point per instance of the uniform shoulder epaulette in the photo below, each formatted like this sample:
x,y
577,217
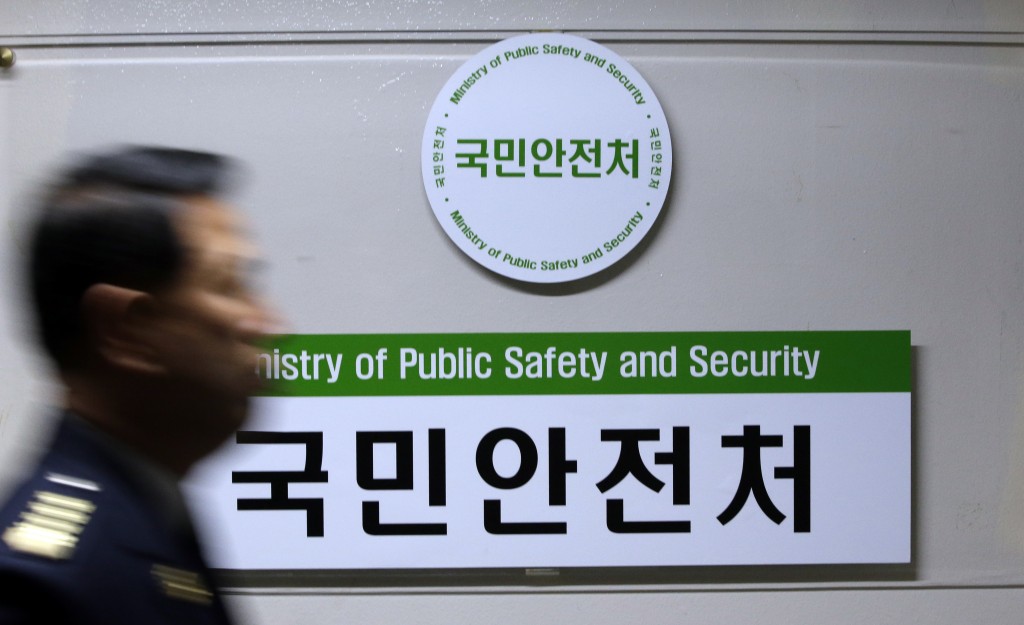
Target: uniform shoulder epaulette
x,y
51,522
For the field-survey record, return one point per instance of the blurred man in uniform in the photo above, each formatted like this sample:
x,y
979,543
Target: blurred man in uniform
x,y
138,275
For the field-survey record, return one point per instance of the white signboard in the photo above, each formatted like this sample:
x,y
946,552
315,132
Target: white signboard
x,y
651,449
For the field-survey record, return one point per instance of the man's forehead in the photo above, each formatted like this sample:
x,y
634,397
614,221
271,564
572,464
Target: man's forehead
x,y
207,212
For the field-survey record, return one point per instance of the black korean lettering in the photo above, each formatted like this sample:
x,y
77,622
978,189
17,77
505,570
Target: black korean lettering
x,y
630,462
752,479
558,468
800,473
366,443
279,480
527,458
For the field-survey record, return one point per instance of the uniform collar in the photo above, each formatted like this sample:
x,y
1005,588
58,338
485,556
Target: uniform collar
x,y
158,486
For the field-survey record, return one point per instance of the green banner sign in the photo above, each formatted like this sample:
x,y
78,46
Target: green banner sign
x,y
320,365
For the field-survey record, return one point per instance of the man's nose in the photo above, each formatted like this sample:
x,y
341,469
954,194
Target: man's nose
x,y
262,321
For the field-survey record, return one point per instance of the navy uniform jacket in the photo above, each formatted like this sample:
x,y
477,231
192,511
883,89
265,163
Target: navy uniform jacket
x,y
81,542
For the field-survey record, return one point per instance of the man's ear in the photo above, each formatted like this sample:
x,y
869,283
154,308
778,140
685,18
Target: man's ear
x,y
120,325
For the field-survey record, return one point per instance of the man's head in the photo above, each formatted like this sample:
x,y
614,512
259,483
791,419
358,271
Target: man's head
x,y
139,278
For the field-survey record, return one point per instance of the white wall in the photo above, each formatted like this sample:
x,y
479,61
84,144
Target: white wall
x,y
863,172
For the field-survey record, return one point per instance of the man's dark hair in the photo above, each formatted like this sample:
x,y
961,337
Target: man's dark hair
x,y
108,221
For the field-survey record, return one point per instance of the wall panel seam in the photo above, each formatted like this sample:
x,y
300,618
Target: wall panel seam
x,y
778,37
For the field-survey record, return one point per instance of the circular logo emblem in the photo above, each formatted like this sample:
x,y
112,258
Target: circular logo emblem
x,y
546,158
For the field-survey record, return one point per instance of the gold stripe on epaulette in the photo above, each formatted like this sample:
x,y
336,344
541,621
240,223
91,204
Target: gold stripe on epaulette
x,y
182,584
40,541
50,525
57,512
72,503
